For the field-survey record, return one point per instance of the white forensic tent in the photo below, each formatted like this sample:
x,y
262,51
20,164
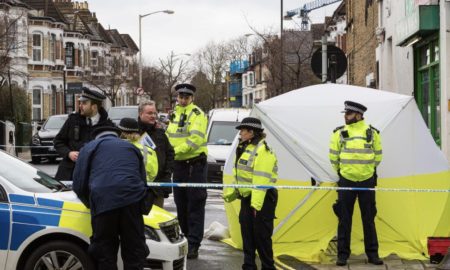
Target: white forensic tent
x,y
299,124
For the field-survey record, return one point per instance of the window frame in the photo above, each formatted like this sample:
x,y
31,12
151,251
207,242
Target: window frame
x,y
37,48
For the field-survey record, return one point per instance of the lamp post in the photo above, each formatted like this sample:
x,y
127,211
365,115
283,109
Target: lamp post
x,y
140,40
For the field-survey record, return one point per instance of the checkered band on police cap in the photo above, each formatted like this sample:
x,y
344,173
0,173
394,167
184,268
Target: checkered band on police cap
x,y
88,94
250,123
185,88
128,125
354,107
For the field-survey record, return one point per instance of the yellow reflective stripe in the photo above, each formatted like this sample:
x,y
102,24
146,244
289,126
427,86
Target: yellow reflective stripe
x,y
356,161
334,152
243,179
178,135
336,162
196,132
378,152
192,144
244,168
377,163
357,151
354,138
263,174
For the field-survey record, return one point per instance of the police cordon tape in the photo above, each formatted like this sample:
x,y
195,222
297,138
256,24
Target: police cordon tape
x,y
201,185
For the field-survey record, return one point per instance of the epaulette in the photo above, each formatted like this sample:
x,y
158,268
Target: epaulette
x,y
338,128
196,111
375,129
267,147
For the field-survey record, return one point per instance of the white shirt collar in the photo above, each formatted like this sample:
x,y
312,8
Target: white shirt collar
x,y
95,119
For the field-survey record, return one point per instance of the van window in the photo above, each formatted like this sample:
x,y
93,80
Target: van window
x,y
222,132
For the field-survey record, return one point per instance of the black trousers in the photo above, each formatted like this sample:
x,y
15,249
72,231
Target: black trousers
x,y
257,231
191,201
344,210
124,226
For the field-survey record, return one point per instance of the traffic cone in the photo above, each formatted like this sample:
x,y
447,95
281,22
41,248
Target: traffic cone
x,y
445,263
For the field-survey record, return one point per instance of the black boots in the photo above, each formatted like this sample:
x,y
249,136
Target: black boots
x,y
192,252
376,261
341,262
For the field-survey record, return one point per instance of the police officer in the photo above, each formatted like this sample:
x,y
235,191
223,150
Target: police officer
x,y
77,129
355,153
148,124
256,164
109,178
187,134
130,132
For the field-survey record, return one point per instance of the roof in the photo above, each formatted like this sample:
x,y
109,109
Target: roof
x,y
48,7
130,42
116,39
15,3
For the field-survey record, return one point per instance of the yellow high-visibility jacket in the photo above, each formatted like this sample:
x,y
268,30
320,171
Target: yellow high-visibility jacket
x,y
257,165
150,160
355,151
187,132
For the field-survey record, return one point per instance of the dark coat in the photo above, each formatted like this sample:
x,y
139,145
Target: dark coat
x,y
74,134
109,174
165,153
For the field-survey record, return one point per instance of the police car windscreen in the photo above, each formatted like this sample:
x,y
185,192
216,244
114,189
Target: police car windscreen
x,y
222,133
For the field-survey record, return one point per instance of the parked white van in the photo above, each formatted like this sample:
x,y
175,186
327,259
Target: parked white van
x,y
221,133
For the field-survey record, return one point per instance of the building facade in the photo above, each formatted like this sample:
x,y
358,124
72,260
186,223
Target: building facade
x,y
413,53
62,48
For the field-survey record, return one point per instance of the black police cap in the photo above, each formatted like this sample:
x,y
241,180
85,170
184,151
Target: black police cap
x,y
102,129
354,107
88,94
129,125
185,88
250,123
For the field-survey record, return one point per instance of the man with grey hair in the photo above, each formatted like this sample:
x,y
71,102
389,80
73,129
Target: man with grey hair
x,y
148,123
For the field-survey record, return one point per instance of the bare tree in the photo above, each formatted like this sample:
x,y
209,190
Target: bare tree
x,y
288,62
174,69
109,78
212,61
13,42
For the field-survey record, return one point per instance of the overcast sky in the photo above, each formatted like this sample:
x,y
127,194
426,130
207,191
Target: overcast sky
x,y
195,22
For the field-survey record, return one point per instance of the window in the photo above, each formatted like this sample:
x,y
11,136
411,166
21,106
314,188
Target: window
x,y
69,55
251,79
53,48
37,47
81,55
427,91
54,95
37,104
94,61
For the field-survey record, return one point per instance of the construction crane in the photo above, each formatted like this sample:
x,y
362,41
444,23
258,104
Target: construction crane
x,y
308,7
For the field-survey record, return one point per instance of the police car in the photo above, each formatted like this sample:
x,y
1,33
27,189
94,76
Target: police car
x,y
43,225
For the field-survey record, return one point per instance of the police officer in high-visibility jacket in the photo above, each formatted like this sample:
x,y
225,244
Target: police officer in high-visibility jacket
x,y
187,134
355,153
130,132
256,164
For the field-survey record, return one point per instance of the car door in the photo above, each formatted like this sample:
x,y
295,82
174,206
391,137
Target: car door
x,y
5,226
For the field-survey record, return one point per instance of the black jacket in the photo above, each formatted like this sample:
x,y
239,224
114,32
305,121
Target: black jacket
x,y
74,134
165,153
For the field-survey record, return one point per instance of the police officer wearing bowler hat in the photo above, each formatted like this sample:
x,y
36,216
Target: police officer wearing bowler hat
x,y
355,153
77,129
255,164
187,134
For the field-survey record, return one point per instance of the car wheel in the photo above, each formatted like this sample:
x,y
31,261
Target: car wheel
x,y
36,160
59,255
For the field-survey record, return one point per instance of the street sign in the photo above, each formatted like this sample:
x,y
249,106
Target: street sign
x,y
139,91
336,59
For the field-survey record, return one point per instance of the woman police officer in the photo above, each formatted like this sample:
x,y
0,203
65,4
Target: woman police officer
x,y
256,164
